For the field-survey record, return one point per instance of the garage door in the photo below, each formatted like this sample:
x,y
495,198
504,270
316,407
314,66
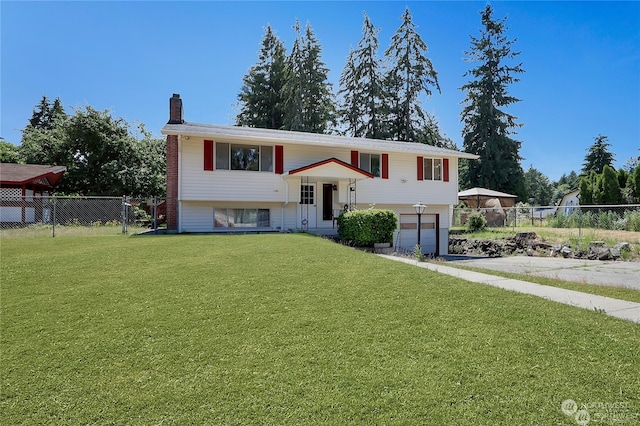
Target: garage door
x,y
408,232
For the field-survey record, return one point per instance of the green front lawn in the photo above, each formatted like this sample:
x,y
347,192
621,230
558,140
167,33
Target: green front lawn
x,y
286,329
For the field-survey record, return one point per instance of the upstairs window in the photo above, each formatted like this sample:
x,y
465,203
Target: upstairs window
x,y
370,163
244,157
432,169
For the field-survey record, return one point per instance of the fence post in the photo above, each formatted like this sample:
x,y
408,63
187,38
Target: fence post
x,y
53,218
532,224
124,214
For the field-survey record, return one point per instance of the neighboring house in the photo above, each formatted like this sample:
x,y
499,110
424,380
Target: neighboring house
x,y
23,187
227,178
569,202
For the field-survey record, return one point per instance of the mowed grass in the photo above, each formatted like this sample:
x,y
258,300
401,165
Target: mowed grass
x,y
286,329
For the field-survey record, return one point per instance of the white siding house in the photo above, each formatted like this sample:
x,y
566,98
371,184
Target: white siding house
x,y
227,178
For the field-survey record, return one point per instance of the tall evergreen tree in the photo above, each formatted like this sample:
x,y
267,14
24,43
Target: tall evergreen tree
x,y
410,74
598,156
309,103
369,72
46,113
351,110
261,95
487,127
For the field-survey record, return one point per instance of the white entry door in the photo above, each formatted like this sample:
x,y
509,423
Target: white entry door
x,y
308,206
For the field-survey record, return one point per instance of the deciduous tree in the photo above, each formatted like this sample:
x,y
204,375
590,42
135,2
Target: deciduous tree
x,y
103,155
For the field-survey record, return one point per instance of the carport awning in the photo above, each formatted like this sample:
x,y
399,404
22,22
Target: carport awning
x,y
330,169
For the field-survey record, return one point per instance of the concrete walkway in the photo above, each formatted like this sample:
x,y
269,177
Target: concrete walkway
x,y
609,273
614,307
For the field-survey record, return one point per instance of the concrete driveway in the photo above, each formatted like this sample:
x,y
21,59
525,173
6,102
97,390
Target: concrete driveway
x,y
615,274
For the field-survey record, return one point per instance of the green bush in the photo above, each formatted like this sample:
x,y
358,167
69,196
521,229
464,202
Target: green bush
x,y
560,220
476,222
632,221
363,228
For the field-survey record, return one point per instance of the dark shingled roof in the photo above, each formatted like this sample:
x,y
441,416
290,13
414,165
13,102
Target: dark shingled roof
x,y
34,174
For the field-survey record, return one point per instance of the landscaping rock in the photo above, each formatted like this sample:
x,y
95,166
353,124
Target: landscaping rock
x,y
529,244
615,253
622,246
604,254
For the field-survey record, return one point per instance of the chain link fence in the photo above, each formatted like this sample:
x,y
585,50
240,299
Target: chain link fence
x,y
58,215
625,217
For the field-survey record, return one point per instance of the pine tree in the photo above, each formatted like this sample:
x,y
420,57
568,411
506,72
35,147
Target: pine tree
x,y
410,75
261,96
369,72
45,114
351,110
487,127
309,104
598,156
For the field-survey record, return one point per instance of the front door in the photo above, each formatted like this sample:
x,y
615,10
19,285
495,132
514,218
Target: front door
x,y
308,205
327,201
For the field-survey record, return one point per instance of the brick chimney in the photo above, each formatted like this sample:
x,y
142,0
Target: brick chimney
x,y
175,117
175,110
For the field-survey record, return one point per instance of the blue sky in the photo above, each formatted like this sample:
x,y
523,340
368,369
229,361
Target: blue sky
x,y
582,62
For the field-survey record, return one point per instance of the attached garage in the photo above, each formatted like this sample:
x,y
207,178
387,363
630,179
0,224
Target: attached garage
x,y
408,232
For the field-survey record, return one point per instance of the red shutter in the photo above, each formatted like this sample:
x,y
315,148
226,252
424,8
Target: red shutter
x,y
355,158
420,168
279,168
208,155
385,166
445,169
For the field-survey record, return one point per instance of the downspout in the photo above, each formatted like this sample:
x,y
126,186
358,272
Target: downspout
x,y
286,202
179,200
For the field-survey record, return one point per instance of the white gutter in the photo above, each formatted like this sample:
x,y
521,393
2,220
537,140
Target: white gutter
x,y
179,200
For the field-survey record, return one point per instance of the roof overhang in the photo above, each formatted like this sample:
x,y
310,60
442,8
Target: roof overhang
x,y
31,174
329,169
259,135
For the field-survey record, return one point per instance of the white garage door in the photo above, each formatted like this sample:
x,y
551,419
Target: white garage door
x,y
408,232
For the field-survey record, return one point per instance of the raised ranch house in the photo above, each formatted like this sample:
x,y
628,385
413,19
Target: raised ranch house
x,y
227,178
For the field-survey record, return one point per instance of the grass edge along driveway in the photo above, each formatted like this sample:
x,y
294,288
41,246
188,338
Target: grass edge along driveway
x,y
287,329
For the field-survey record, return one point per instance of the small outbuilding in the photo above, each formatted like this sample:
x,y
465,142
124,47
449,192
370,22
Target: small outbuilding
x,y
23,187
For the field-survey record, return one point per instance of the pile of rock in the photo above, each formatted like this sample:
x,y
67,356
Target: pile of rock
x,y
521,243
530,244
597,250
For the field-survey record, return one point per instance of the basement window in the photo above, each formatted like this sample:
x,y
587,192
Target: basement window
x,y
241,218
